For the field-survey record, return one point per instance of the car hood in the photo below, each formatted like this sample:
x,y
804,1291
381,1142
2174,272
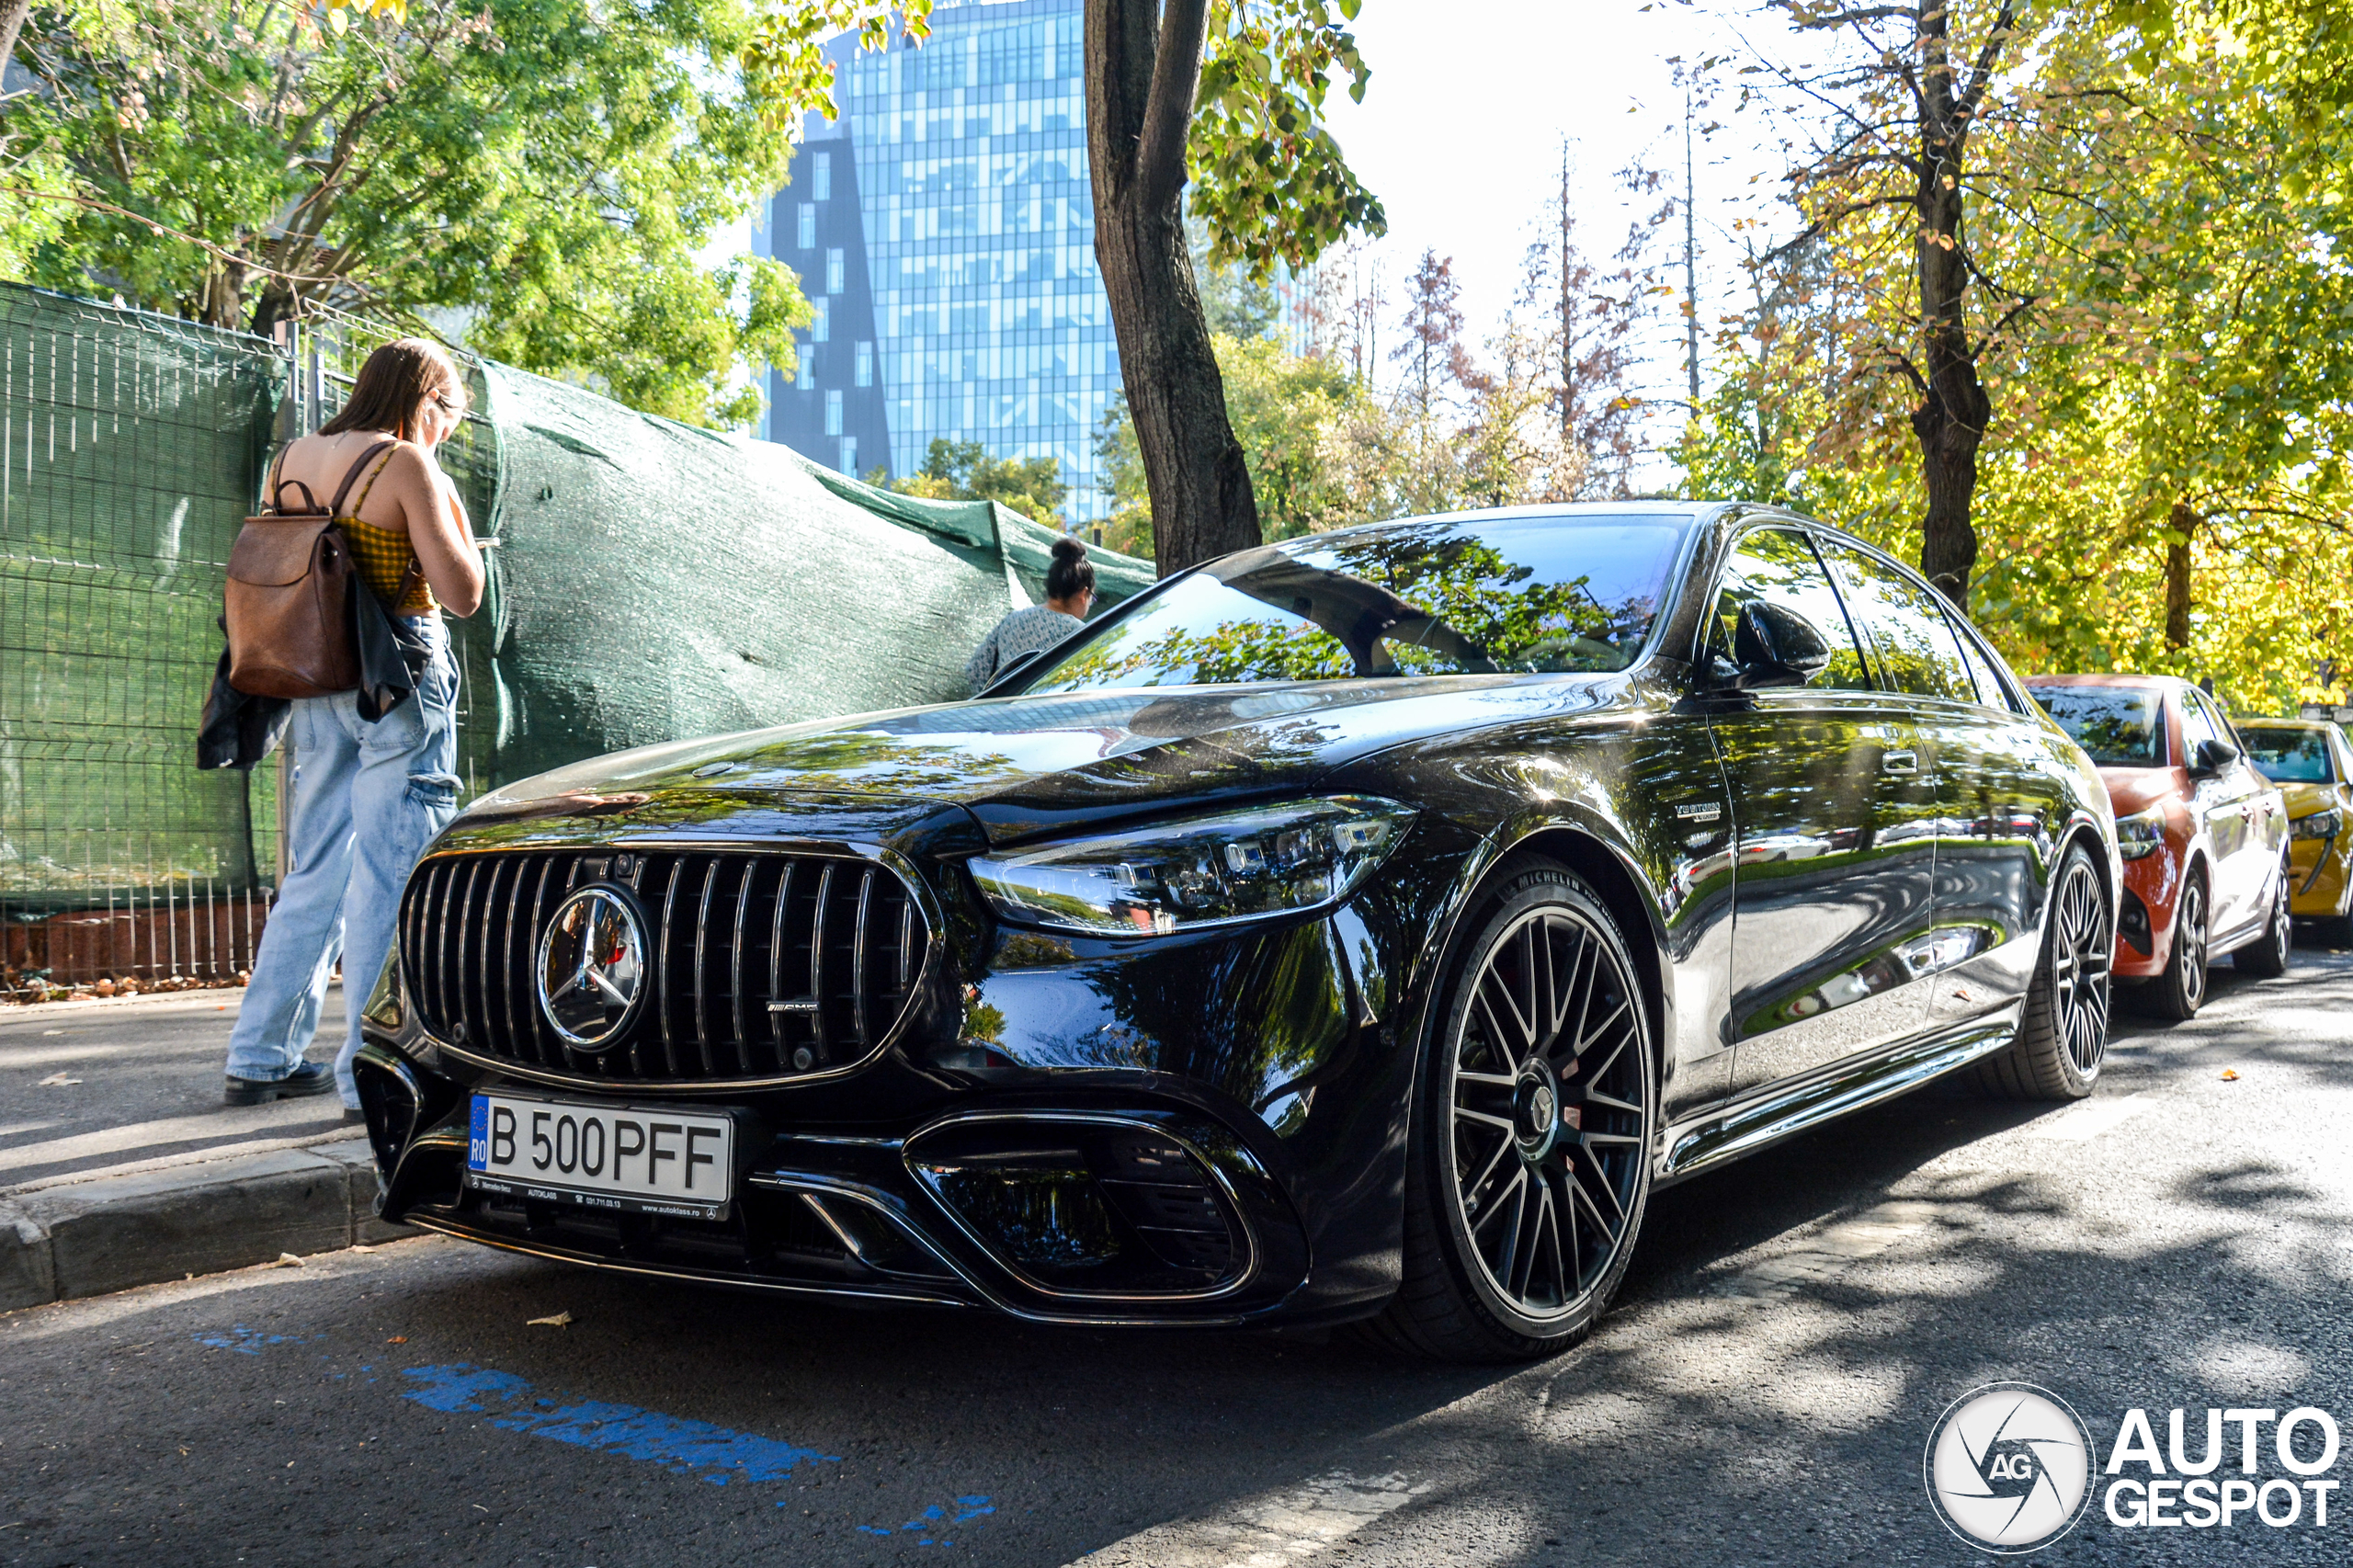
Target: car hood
x,y
2132,789
1026,764
2303,799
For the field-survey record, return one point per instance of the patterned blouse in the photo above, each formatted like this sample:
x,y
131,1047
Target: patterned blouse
x,y
1036,627
384,556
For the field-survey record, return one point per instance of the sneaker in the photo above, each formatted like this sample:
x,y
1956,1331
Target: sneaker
x,y
308,1078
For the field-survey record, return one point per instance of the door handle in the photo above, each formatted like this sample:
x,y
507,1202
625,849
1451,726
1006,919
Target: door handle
x,y
1899,762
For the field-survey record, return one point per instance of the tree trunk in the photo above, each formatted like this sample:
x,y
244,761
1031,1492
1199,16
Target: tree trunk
x,y
1143,64
1954,410
12,18
2181,523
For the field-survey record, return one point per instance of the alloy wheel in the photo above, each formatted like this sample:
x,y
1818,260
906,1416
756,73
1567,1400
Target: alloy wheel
x,y
2190,938
2082,947
1549,1092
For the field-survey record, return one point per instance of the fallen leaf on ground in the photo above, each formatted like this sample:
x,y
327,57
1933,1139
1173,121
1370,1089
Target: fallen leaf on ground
x,y
287,1260
58,1081
2230,1074
559,1321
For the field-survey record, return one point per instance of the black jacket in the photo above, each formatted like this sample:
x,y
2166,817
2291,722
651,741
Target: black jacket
x,y
239,729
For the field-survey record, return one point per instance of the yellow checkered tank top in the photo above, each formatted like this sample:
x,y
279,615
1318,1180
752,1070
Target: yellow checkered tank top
x,y
385,557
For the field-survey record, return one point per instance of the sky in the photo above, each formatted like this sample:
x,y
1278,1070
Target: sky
x,y
1461,130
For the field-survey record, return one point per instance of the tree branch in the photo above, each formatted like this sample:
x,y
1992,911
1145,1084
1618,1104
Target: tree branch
x,y
1168,112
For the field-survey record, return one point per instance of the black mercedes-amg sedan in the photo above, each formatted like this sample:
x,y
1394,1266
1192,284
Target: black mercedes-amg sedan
x,y
1356,927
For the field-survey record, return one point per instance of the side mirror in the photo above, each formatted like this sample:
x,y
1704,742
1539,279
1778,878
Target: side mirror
x,y
1013,666
1774,645
2212,758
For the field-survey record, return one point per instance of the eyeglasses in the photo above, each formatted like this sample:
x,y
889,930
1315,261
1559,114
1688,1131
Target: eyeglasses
x,y
446,405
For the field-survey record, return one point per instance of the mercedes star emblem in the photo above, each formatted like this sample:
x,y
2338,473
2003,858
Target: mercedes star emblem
x,y
592,969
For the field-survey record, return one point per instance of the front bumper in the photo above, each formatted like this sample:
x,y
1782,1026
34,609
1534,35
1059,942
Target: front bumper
x,y
1165,1216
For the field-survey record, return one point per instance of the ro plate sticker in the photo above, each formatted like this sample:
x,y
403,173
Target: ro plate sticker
x,y
478,1136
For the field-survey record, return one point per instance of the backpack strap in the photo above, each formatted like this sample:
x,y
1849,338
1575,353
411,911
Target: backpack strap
x,y
335,507
277,488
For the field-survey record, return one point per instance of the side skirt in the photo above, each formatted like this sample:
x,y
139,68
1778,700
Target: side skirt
x,y
1784,1112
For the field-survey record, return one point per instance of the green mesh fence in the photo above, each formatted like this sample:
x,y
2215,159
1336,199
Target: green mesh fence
x,y
653,580
130,446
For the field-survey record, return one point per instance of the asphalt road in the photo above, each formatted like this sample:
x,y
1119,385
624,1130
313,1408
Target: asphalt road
x,y
1789,1333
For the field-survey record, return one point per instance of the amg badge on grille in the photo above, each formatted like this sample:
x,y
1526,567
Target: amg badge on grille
x,y
592,968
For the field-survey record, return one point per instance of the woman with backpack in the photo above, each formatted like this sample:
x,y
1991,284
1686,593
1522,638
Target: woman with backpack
x,y
370,788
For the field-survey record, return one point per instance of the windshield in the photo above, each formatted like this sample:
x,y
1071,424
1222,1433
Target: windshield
x,y
1523,595
2288,756
2120,726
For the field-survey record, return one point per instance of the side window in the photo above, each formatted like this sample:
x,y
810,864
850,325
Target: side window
x,y
1919,654
2217,719
1779,566
2196,726
1990,689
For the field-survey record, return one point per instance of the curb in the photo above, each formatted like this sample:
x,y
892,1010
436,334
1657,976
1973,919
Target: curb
x,y
89,1238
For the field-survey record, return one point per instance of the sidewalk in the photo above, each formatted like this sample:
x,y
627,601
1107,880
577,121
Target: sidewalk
x,y
119,1165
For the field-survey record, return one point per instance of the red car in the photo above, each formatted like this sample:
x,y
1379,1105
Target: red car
x,y
2204,835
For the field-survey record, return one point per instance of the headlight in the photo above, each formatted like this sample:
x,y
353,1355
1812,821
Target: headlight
x,y
2320,825
2143,832
1178,876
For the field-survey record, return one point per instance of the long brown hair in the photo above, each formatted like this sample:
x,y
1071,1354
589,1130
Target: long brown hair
x,y
392,386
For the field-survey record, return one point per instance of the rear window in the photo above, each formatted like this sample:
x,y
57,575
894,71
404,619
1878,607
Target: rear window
x,y
2119,726
2288,756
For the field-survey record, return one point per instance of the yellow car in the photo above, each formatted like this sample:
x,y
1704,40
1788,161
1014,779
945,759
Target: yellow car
x,y
2312,762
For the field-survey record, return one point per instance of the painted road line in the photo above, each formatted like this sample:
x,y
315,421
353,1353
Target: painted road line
x,y
2089,1119
1273,1531
708,1452
1831,1251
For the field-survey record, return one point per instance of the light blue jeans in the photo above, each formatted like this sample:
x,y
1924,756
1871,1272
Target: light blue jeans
x,y
367,800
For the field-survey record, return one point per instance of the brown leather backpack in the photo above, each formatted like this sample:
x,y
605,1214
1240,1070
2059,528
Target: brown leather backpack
x,y
292,578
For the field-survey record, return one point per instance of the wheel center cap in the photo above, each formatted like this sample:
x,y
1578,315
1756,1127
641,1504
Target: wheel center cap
x,y
1536,1114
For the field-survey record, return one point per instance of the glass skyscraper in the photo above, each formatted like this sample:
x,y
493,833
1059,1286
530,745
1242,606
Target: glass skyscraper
x,y
944,228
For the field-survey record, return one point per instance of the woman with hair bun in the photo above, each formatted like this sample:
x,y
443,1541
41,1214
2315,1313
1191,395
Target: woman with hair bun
x,y
1070,591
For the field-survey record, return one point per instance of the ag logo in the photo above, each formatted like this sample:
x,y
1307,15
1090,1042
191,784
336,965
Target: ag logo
x,y
592,968
2009,1468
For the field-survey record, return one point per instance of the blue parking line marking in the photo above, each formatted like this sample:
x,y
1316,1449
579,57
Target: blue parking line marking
x,y
700,1448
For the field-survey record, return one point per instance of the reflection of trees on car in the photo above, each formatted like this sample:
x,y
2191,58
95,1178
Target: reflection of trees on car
x,y
1411,601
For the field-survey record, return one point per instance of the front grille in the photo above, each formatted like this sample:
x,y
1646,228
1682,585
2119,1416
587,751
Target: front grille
x,y
763,965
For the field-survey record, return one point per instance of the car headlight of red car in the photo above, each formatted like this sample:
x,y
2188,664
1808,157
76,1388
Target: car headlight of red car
x,y
2140,834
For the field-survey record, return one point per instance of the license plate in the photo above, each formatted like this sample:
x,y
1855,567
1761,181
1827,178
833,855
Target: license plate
x,y
624,1157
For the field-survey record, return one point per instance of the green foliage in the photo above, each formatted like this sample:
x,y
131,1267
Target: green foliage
x,y
1280,406
2165,484
1266,176
546,169
963,471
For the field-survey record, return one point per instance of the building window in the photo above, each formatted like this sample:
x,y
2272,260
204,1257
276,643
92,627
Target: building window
x,y
805,374
866,364
821,329
849,454
808,225
820,176
834,412
832,272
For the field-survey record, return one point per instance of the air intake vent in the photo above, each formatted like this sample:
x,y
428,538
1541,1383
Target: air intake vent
x,y
763,966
